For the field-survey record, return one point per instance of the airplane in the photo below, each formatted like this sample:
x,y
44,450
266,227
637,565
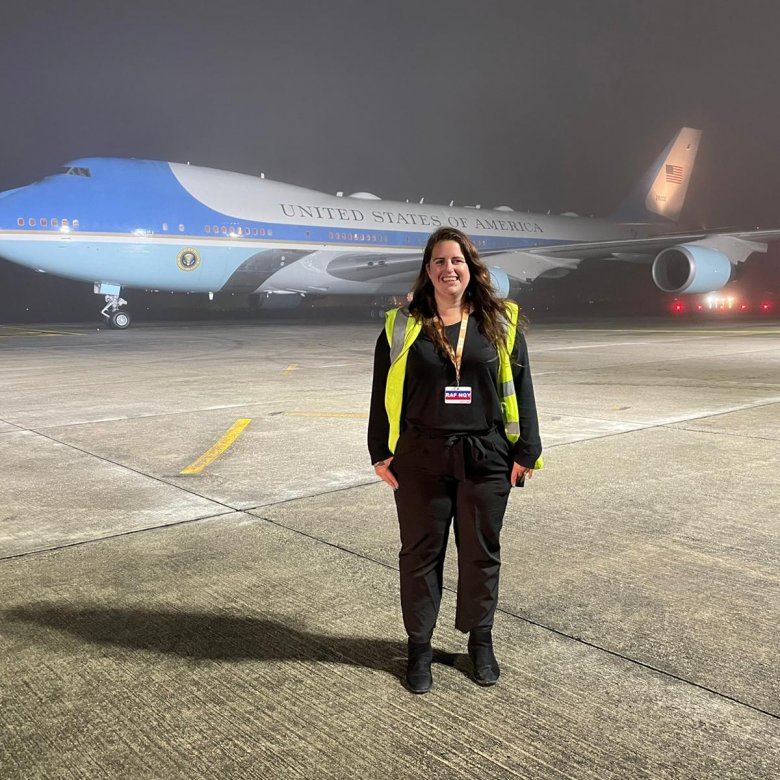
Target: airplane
x,y
126,223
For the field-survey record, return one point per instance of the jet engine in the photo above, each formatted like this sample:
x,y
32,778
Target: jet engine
x,y
500,280
691,269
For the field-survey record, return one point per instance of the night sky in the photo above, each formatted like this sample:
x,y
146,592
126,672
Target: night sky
x,y
541,105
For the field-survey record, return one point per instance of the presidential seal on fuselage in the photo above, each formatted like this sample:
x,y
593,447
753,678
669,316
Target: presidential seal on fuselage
x,y
188,259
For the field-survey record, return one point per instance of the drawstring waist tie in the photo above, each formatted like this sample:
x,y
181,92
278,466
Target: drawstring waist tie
x,y
477,447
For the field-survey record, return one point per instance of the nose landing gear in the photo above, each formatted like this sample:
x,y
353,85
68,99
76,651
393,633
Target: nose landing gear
x,y
117,319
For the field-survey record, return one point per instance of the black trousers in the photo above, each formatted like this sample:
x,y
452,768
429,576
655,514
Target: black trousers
x,y
442,479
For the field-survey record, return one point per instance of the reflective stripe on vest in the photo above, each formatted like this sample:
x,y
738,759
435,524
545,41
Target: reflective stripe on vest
x,y
397,337
402,330
401,333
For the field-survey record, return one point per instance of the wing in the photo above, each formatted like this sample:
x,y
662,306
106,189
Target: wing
x,y
529,263
373,267
654,244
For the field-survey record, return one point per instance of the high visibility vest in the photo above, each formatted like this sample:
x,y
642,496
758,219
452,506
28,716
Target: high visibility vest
x,y
402,330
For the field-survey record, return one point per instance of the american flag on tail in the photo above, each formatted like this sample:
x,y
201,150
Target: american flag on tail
x,y
674,174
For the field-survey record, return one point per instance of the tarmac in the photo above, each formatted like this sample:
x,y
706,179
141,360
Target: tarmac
x,y
241,619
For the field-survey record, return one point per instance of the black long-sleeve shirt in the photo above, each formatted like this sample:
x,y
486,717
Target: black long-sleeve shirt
x,y
428,372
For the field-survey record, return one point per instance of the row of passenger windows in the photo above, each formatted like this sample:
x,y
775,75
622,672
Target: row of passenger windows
x,y
245,231
357,237
44,222
237,231
224,230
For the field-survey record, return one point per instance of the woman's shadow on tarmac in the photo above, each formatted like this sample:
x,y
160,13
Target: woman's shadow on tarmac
x,y
201,636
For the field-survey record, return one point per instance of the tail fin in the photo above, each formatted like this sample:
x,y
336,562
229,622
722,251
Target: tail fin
x,y
661,192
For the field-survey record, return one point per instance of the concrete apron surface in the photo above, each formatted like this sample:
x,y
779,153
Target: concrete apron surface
x,y
243,622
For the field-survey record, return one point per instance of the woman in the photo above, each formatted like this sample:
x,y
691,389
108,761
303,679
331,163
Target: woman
x,y
452,426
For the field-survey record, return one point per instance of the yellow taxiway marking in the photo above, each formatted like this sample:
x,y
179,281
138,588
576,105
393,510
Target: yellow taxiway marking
x,y
764,330
212,454
351,415
19,331
292,367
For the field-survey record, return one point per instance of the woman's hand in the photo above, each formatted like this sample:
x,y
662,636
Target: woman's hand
x,y
383,472
520,471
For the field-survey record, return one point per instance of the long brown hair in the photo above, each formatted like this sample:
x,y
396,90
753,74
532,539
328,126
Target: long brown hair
x,y
488,309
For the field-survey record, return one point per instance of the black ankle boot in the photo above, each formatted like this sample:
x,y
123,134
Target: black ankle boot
x,y
418,667
486,670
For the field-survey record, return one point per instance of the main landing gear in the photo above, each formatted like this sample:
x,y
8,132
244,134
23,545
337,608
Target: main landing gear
x,y
117,319
381,305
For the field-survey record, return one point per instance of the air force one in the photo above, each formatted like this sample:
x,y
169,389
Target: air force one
x,y
121,223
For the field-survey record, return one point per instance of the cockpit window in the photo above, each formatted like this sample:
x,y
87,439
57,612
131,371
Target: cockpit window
x,y
76,171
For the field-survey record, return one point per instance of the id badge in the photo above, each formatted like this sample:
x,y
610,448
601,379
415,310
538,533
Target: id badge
x,y
457,395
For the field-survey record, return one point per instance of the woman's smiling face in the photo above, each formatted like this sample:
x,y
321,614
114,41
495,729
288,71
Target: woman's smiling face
x,y
448,270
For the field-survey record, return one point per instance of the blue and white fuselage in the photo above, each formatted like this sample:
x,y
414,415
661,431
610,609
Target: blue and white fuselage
x,y
142,224
127,221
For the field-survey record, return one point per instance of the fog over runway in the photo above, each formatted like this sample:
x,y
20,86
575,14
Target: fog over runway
x,y
241,619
